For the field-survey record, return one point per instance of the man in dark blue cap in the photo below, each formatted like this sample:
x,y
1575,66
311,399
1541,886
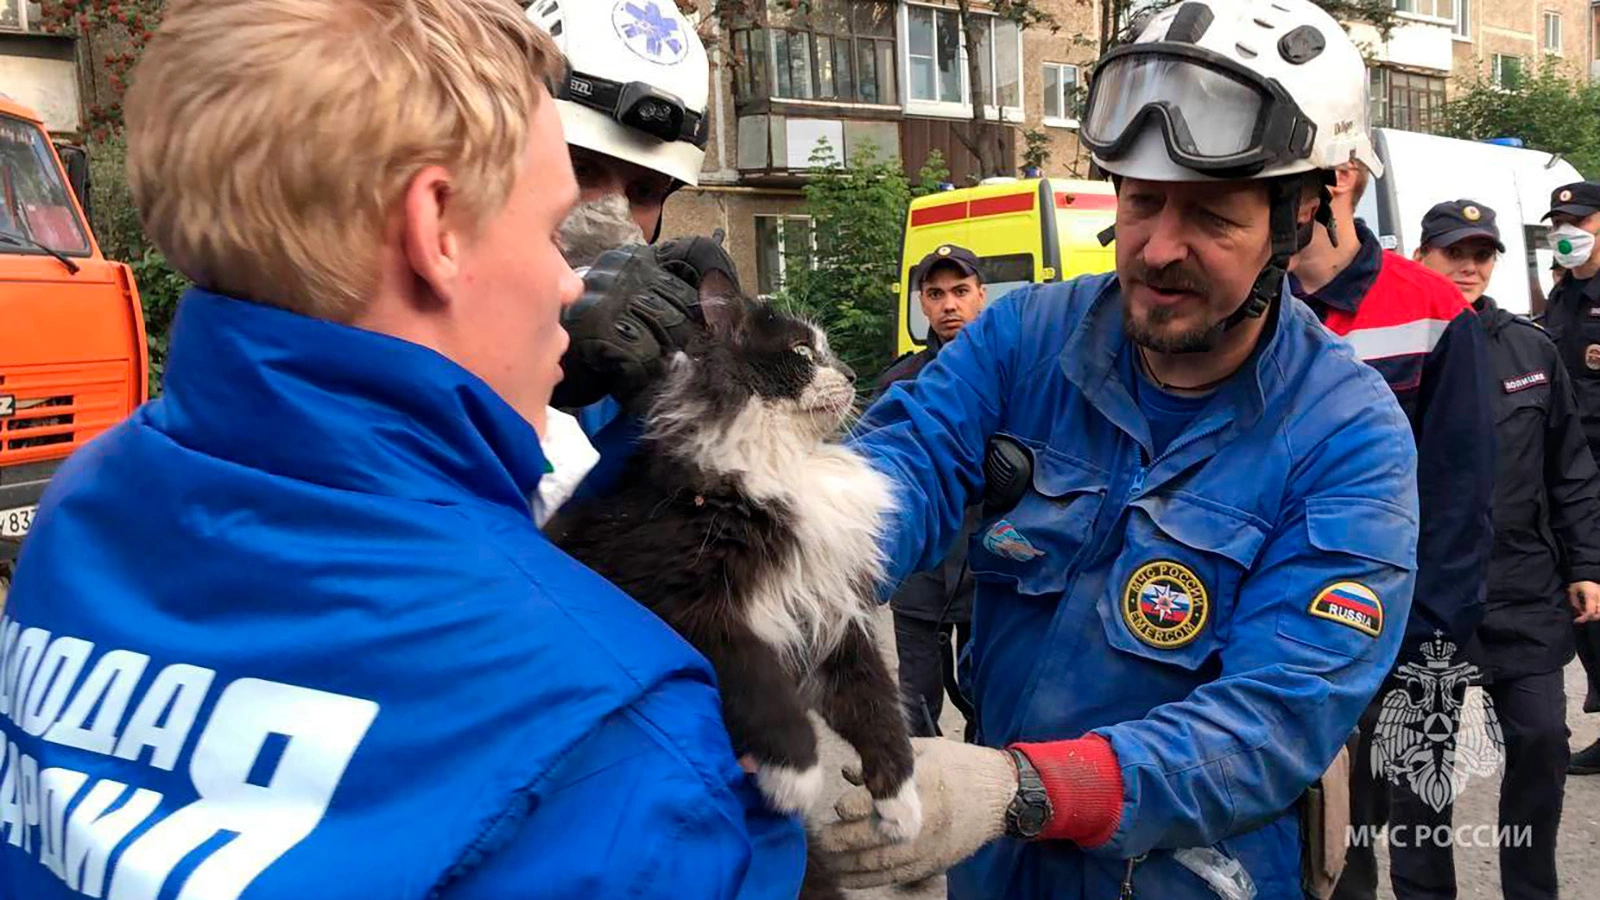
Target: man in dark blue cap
x,y
1572,316
1546,545
933,606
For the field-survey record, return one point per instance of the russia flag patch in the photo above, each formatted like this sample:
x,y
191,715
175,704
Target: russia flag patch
x,y
1351,604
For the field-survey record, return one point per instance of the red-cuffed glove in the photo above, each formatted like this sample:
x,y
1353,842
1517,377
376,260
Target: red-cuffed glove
x,y
1084,784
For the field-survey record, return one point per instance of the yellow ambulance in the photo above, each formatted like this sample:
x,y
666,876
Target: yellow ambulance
x,y
1023,231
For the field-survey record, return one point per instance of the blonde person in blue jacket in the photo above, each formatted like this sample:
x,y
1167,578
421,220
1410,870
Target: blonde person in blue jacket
x,y
291,632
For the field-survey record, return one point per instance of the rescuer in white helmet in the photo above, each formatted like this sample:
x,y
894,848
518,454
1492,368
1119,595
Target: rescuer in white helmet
x,y
633,109
1197,547
633,105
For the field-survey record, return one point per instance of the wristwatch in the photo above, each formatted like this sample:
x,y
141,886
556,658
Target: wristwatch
x,y
1029,811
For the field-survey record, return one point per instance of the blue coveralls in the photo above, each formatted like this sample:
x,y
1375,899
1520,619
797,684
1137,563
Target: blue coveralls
x,y
290,633
1221,613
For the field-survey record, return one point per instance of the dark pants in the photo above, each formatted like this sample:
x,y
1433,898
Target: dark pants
x,y
927,668
1589,655
1425,872
1532,716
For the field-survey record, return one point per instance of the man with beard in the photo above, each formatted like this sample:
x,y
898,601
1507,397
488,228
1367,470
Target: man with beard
x,y
1199,507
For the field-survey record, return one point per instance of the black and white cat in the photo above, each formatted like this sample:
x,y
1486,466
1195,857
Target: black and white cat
x,y
747,528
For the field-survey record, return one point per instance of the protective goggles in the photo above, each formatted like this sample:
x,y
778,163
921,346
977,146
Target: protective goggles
x,y
1216,116
636,105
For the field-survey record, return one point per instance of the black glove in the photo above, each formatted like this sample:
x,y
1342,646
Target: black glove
x,y
632,315
693,259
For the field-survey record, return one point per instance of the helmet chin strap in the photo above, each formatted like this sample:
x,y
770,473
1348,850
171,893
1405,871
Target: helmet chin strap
x,y
1288,238
662,217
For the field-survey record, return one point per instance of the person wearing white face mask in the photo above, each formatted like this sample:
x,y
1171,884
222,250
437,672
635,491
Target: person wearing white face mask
x,y
1572,316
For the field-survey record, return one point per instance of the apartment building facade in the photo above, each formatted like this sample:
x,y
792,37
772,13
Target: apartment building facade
x,y
891,74
1438,46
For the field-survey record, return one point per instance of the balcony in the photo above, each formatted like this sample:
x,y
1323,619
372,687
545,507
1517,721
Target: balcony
x,y
777,147
1414,43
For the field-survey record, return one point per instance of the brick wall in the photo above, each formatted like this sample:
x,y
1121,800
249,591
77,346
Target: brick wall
x,y
1077,43
1517,28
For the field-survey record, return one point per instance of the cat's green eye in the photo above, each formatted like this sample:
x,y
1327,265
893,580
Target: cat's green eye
x,y
805,352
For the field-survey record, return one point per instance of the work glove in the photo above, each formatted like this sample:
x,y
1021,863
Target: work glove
x,y
696,259
965,791
632,316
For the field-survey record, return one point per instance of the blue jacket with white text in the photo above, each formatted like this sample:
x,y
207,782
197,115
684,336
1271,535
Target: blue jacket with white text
x,y
290,632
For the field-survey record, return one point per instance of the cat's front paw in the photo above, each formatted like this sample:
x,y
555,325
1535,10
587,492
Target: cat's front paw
x,y
899,817
788,789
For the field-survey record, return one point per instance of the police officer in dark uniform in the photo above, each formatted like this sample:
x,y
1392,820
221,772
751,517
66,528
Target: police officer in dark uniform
x,y
1546,556
933,606
1572,315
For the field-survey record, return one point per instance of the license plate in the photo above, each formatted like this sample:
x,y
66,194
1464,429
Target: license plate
x,y
14,523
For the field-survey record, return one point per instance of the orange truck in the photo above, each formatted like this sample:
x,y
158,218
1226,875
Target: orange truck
x,y
73,360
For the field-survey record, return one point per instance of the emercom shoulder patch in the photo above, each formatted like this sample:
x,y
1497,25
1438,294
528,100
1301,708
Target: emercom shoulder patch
x,y
1352,604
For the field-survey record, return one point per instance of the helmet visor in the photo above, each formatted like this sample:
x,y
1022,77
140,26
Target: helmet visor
x,y
1218,113
1214,115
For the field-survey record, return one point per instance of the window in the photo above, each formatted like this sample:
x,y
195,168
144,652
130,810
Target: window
x,y
997,55
936,57
1060,95
1406,101
934,36
1507,72
842,50
34,202
1463,19
782,242
1378,96
1435,9
1552,32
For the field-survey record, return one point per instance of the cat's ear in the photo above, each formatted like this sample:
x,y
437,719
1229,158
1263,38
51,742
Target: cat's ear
x,y
722,304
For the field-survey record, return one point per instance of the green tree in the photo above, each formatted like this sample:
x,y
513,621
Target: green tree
x,y
858,215
1038,153
1550,110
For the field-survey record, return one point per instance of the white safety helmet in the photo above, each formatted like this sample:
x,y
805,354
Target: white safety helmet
x,y
638,81
1228,89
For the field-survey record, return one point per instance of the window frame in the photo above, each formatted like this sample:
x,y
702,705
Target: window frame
x,y
1551,15
1062,96
1431,16
1497,69
781,221
962,109
758,45
1461,29
1405,100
